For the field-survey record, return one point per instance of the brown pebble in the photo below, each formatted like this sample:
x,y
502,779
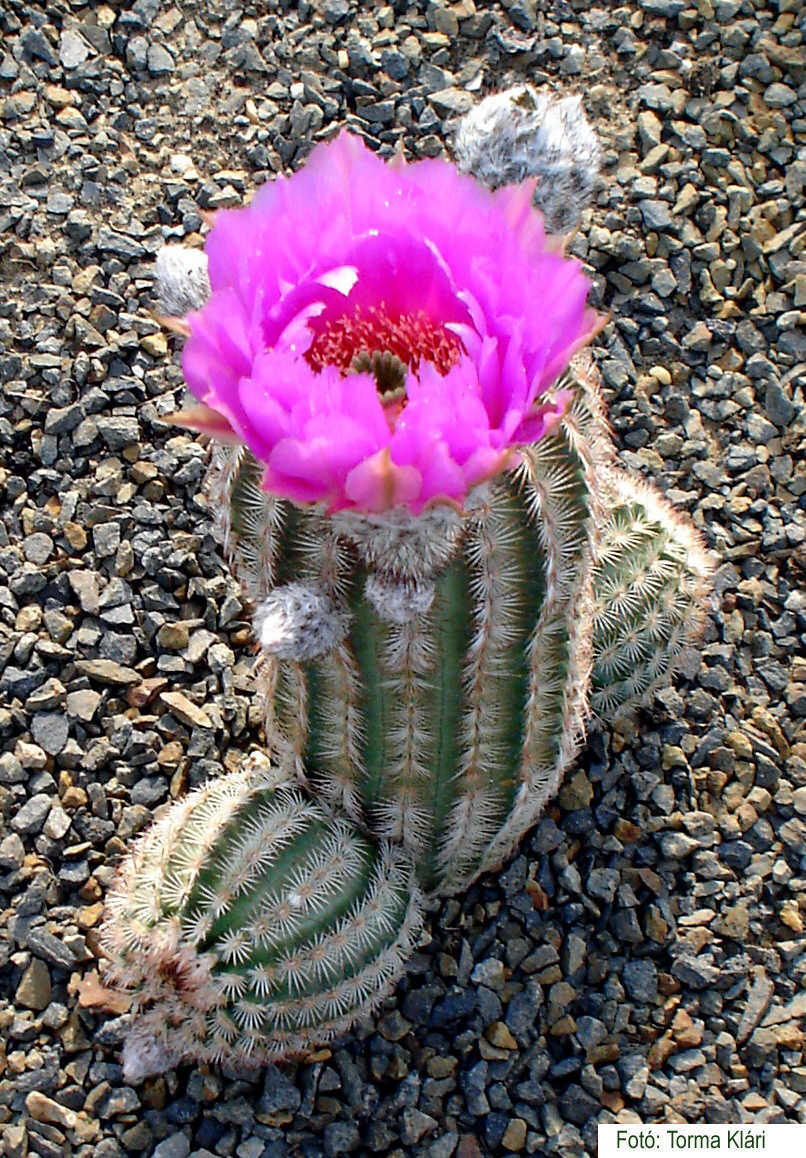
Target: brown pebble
x,y
499,1035
76,536
33,991
515,1136
44,1109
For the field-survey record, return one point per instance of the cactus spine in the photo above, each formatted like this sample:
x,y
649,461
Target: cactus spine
x,y
248,925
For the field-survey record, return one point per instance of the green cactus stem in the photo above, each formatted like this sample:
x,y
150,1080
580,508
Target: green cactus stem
x,y
247,925
433,680
430,676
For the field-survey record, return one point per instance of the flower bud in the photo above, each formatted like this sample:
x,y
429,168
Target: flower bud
x,y
181,281
522,133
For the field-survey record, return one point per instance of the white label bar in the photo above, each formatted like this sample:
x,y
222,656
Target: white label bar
x,y
778,1141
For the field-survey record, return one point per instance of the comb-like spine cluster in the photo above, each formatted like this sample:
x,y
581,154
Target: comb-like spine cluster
x,y
523,133
248,925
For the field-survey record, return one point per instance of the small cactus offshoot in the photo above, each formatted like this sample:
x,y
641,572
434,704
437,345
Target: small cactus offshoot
x,y
248,925
181,279
651,585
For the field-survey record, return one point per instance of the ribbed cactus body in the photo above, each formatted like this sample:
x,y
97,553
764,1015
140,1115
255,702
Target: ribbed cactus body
x,y
445,714
248,925
650,591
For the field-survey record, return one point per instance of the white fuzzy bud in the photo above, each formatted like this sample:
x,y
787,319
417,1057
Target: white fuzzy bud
x,y
181,280
398,600
522,133
299,621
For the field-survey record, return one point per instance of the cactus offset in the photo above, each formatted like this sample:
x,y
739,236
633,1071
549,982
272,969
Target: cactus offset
x,y
650,591
248,925
181,279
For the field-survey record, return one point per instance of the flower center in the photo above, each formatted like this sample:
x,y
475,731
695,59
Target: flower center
x,y
384,346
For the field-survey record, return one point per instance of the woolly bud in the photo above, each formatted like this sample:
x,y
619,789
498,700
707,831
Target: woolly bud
x,y
521,133
299,621
398,600
181,280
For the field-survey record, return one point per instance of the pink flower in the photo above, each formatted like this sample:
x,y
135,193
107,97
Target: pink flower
x,y
384,335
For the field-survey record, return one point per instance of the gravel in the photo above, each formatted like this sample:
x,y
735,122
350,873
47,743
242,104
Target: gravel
x,y
643,957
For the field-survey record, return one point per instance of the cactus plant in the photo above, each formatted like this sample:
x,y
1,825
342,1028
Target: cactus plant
x,y
248,925
416,487
444,700
427,663
454,696
182,280
649,599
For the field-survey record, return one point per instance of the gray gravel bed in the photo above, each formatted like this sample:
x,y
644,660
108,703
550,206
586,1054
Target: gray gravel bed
x,y
643,958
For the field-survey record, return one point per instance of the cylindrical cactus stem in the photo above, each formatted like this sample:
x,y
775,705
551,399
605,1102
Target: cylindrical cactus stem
x,y
651,583
248,925
446,714
248,521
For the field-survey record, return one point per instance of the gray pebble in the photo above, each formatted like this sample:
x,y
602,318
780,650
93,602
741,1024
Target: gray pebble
x,y
577,1105
73,49
174,1146
50,730
340,1138
159,60
778,408
32,815
640,980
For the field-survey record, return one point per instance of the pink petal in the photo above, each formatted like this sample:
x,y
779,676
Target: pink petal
x,y
378,484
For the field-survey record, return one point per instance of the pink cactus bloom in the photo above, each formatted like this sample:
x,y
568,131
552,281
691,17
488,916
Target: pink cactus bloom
x,y
384,335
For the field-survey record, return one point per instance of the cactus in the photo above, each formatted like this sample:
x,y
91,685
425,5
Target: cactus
x,y
429,661
650,591
181,279
446,711
443,689
247,925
